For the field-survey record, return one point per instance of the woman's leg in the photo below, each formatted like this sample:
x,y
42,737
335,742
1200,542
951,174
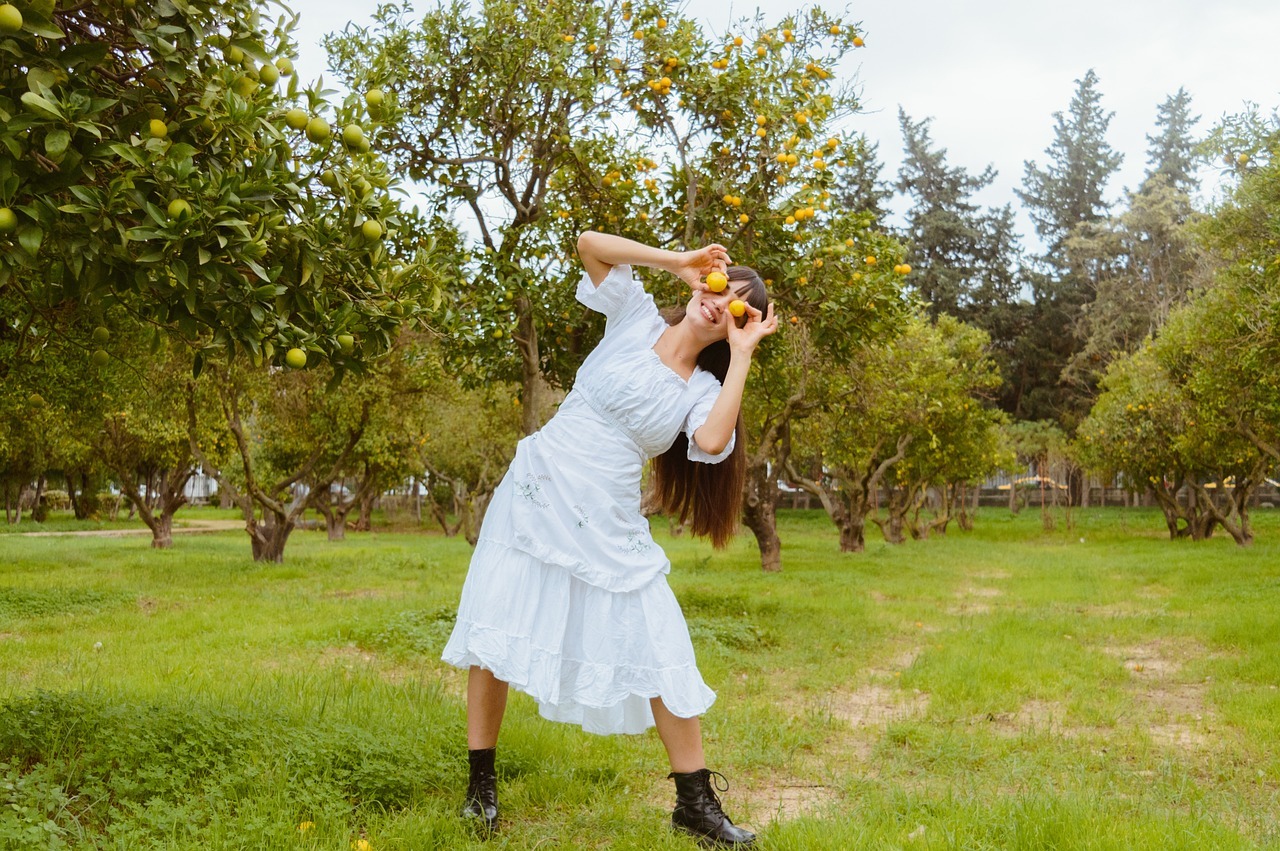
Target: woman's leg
x,y
682,737
698,809
486,703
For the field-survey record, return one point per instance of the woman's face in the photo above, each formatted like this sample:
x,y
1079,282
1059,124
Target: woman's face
x,y
709,312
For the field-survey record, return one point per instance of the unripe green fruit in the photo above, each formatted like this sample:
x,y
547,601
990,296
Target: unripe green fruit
x,y
285,65
295,358
269,75
233,54
318,130
101,335
10,18
347,343
35,400
352,135
296,118
329,178
371,230
179,209
158,128
100,358
245,86
373,98
8,220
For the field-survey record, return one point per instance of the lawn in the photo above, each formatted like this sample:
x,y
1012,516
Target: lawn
x,y
1094,687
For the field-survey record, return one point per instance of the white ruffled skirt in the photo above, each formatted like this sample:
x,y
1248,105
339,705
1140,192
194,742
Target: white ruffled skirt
x,y
588,656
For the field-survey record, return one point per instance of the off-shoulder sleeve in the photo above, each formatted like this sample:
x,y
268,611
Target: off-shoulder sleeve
x,y
619,296
698,414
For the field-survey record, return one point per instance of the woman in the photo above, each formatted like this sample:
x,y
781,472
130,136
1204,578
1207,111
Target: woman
x,y
566,597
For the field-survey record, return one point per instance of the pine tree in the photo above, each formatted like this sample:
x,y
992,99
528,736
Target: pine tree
x,y
1069,190
1172,152
963,258
1064,199
860,188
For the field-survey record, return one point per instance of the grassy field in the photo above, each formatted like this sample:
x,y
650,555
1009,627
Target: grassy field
x,y
1097,687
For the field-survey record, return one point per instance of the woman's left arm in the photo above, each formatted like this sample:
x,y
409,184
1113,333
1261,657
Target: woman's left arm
x,y
714,434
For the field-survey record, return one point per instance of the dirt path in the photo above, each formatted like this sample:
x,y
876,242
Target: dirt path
x,y
191,527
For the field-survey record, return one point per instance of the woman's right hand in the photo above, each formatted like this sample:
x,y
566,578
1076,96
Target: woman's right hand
x,y
692,266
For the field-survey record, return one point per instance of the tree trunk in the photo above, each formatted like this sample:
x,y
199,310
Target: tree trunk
x,y
162,532
759,514
269,537
853,532
335,524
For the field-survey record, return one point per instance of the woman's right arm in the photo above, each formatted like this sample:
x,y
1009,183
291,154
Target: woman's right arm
x,y
600,252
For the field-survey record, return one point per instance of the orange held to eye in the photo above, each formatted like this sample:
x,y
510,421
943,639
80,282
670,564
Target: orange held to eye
x,y
737,307
716,282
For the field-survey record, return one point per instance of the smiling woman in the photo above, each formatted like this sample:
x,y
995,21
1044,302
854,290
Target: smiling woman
x,y
566,596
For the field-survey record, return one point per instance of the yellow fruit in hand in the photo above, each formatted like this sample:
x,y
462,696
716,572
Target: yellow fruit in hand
x,y
737,307
716,282
295,358
158,128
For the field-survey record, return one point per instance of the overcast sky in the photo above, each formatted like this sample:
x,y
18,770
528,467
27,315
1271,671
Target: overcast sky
x,y
992,73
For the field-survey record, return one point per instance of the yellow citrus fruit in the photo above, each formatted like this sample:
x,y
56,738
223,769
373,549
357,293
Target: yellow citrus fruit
x,y
716,282
744,218
10,18
8,220
318,130
737,307
871,261
857,41
295,358
158,128
179,209
352,135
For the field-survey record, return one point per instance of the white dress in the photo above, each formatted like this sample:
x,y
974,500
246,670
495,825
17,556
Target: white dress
x,y
566,597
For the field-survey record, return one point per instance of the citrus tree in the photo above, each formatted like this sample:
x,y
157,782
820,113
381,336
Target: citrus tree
x,y
162,161
541,121
923,388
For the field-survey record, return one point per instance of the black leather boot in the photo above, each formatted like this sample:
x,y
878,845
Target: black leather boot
x,y
698,810
482,789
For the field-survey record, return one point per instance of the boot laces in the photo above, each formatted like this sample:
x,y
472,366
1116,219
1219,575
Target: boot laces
x,y
713,786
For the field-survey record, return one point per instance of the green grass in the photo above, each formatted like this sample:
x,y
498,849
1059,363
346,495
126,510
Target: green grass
x,y
1098,687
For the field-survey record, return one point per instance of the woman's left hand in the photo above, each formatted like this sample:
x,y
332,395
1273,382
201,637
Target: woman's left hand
x,y
757,327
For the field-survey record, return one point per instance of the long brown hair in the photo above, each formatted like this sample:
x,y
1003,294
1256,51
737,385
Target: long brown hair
x,y
710,493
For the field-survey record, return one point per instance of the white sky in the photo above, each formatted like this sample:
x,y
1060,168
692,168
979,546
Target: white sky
x,y
992,73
